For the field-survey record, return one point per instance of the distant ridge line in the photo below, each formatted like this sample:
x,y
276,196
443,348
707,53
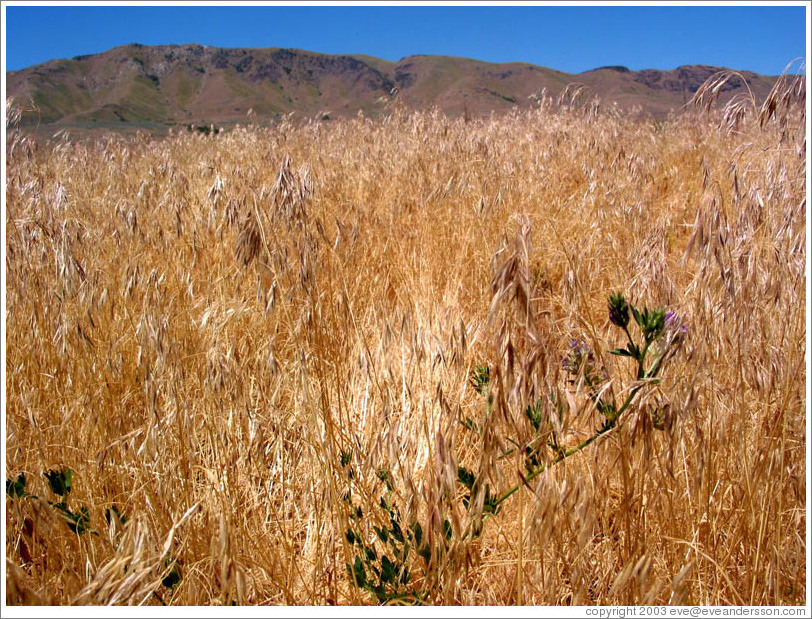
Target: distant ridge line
x,y
164,85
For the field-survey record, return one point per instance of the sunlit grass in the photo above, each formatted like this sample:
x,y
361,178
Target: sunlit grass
x,y
235,342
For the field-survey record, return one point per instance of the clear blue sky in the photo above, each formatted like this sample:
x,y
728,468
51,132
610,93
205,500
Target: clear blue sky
x,y
568,38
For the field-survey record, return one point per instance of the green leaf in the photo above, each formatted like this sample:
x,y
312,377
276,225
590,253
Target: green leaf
x,y
173,578
652,324
346,456
637,317
380,593
469,424
425,552
657,322
383,534
359,573
607,409
59,481
385,477
79,523
449,532
418,533
396,531
16,489
534,413
480,378
350,535
114,511
531,460
622,352
466,477
370,554
388,570
490,505
608,424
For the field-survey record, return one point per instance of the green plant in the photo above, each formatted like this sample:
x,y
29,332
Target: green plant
x,y
662,334
61,484
15,489
381,562
173,575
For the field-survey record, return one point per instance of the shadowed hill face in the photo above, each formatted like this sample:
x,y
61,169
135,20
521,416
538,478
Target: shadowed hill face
x,y
690,78
188,84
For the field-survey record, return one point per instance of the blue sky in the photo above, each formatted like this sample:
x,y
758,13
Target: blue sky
x,y
569,38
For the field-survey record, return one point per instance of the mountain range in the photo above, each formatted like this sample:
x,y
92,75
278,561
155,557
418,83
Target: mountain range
x,y
156,87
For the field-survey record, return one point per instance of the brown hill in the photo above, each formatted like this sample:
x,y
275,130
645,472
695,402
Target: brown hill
x,y
154,87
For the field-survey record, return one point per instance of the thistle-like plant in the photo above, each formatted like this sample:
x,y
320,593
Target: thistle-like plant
x,y
661,335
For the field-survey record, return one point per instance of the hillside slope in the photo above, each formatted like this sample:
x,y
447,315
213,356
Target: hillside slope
x,y
181,84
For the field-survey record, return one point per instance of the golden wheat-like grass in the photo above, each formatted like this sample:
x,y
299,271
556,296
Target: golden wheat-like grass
x,y
203,327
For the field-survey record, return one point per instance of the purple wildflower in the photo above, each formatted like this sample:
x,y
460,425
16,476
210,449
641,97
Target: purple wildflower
x,y
618,310
579,355
675,329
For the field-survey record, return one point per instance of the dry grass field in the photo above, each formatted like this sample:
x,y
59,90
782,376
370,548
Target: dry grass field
x,y
359,362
